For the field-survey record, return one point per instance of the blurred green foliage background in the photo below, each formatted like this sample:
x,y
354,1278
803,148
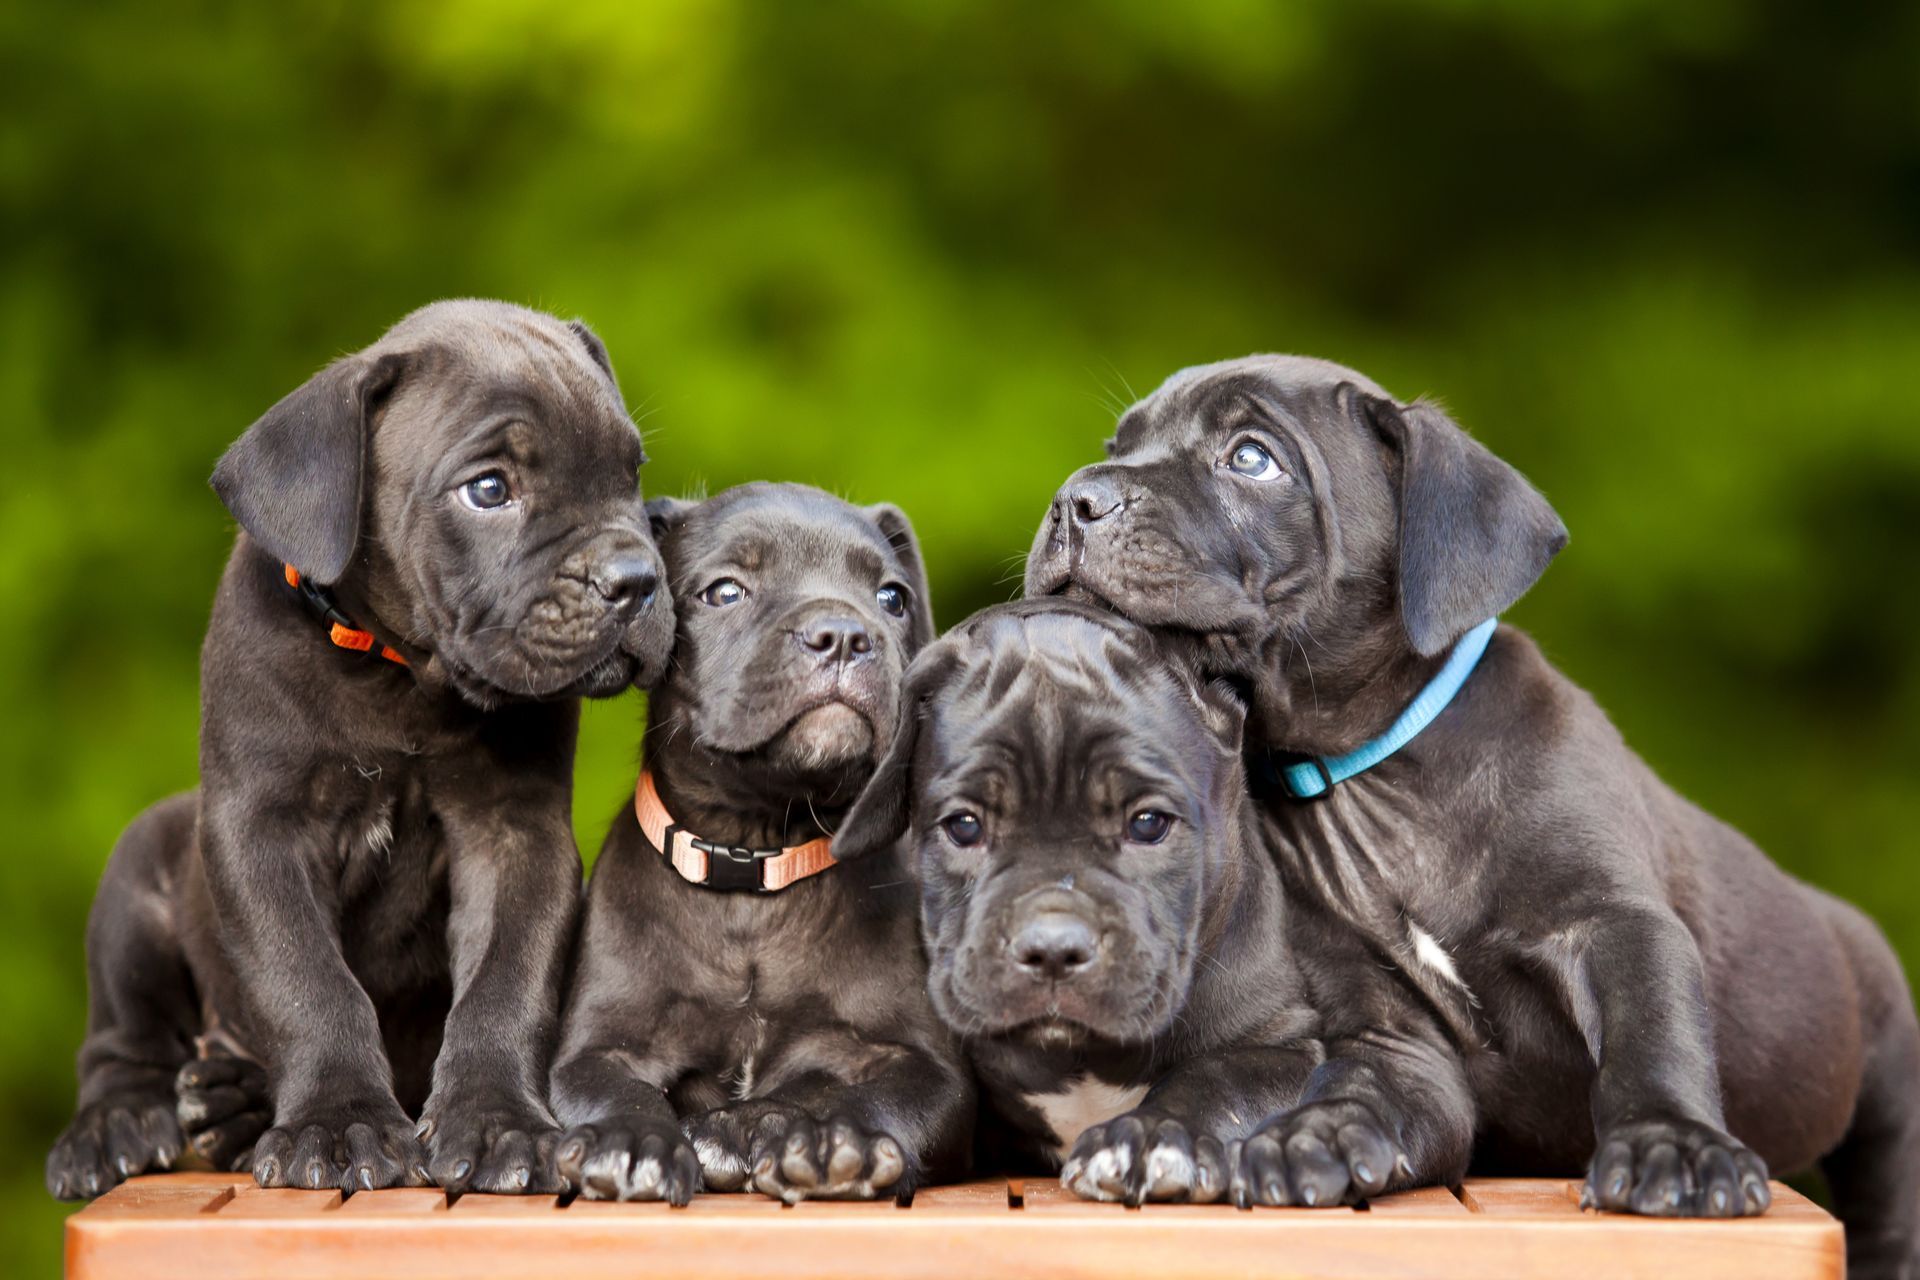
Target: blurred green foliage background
x,y
1665,258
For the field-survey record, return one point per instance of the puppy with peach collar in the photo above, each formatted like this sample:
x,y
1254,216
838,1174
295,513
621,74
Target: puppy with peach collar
x,y
746,1012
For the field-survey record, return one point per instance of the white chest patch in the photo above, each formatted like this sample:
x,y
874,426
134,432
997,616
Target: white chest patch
x,y
1434,956
1085,1103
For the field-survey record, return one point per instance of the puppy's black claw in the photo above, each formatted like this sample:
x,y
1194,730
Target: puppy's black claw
x,y
1324,1153
1675,1168
110,1141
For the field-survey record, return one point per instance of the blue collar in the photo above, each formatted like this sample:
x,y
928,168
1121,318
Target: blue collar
x,y
1315,776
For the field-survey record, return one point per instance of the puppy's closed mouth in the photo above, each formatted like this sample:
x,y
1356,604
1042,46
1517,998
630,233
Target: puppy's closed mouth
x,y
1064,585
1079,592
828,731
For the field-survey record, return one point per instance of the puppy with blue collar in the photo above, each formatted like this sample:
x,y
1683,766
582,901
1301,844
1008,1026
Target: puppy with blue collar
x,y
1634,988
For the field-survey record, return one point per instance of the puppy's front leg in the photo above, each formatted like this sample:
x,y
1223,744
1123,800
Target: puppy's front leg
x,y
515,880
336,1122
1175,1146
1636,985
1389,1109
623,1141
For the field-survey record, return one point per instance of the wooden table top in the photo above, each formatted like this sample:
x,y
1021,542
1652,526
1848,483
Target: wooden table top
x,y
200,1226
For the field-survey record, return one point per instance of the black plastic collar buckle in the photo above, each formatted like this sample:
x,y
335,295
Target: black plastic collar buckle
x,y
320,602
734,868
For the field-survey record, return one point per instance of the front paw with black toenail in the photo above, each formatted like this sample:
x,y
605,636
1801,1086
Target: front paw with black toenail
x,y
1675,1169
629,1159
784,1152
354,1149
502,1147
1145,1156
1321,1154
110,1141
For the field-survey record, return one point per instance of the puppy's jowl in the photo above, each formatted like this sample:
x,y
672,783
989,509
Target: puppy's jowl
x,y
1632,985
1107,933
355,929
743,1009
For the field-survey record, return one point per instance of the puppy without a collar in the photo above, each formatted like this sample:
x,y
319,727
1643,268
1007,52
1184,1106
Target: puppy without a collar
x,y
742,1010
1631,985
358,923
1107,933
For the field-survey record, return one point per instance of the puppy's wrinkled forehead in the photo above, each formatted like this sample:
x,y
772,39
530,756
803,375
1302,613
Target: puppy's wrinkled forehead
x,y
516,381
1219,398
1055,711
792,532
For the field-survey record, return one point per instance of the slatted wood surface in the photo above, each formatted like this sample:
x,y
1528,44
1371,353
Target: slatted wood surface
x,y
219,1226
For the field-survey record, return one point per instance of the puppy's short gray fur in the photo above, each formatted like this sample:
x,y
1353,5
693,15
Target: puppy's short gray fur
x,y
1629,984
374,845
784,1041
1135,1001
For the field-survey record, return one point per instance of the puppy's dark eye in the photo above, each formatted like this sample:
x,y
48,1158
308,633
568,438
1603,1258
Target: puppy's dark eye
x,y
963,828
723,593
893,599
1149,826
1254,462
486,492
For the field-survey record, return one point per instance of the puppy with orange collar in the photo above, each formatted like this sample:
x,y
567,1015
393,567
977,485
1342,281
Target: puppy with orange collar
x,y
347,945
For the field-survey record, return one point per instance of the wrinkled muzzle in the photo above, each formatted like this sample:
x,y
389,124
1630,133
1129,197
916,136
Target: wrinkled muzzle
x,y
1056,958
600,624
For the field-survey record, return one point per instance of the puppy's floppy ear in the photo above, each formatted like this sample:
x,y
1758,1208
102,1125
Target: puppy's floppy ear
x,y
295,480
898,530
1224,713
597,352
1474,535
666,515
881,811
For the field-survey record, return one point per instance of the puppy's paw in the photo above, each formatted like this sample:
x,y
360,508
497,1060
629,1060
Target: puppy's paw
x,y
223,1106
111,1141
1675,1169
1145,1156
723,1141
500,1148
354,1150
785,1153
1321,1154
629,1160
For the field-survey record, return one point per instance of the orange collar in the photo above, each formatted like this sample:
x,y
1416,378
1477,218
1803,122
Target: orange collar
x,y
340,629
719,866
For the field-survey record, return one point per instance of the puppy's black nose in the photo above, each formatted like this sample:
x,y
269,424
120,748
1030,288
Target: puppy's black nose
x,y
1093,498
1055,944
836,639
627,583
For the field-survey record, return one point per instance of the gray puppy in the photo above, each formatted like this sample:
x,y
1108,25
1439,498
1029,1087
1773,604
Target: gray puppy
x,y
1587,934
743,1009
1107,932
362,915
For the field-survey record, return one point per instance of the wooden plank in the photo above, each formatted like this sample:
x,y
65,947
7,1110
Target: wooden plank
x,y
950,1232
155,1198
260,1202
984,1196
1522,1197
397,1200
185,1181
474,1204
1421,1202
